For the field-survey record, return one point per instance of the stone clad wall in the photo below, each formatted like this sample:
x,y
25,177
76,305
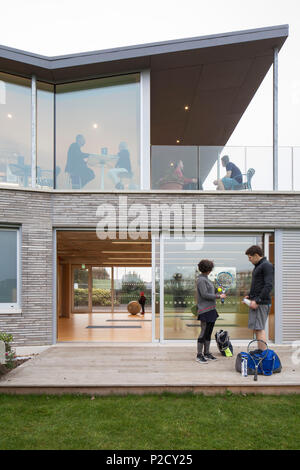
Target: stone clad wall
x,y
31,211
233,210
37,212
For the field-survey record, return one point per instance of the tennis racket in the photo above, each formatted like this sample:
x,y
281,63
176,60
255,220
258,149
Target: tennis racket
x,y
225,281
257,355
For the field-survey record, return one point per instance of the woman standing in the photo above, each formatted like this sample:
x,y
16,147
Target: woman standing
x,y
207,313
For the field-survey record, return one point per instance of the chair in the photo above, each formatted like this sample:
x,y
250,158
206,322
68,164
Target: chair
x,y
247,184
23,172
127,176
75,181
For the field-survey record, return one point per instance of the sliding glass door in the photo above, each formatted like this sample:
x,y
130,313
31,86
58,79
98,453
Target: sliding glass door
x,y
176,269
81,289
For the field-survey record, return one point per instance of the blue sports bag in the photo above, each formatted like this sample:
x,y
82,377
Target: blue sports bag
x,y
259,362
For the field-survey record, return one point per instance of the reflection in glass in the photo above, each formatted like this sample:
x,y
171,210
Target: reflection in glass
x,y
97,133
45,137
204,163
15,130
80,289
101,293
296,168
128,285
156,293
174,167
180,276
261,160
208,166
8,266
285,168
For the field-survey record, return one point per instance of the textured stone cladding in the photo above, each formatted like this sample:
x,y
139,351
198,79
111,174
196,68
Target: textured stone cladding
x,y
32,212
233,210
38,212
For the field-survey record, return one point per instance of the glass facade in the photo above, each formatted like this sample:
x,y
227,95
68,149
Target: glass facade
x,y
15,130
203,168
180,261
174,167
97,134
45,135
81,298
8,267
101,289
90,132
128,285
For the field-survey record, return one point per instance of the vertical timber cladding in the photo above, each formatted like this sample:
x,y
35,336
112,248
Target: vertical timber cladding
x,y
290,285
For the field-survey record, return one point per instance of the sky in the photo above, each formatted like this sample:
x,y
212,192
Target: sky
x,y
58,27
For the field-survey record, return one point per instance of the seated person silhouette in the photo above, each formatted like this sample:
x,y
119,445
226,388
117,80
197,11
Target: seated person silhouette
x,y
188,183
233,177
76,166
122,166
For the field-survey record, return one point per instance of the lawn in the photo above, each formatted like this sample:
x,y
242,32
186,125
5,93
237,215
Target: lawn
x,y
151,422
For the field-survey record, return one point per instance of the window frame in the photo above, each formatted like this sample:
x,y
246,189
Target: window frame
x,y
14,307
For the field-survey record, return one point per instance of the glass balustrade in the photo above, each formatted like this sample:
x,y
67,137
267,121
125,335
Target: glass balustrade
x,y
210,168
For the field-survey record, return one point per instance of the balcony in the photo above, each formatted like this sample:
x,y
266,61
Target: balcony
x,y
203,168
180,168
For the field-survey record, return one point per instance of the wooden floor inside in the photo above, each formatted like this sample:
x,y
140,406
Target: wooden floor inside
x,y
122,327
108,327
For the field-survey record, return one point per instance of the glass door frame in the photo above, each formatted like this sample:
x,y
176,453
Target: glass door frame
x,y
161,237
90,267
89,307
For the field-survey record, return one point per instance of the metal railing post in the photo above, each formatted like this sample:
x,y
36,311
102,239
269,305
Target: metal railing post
x,y
275,120
33,130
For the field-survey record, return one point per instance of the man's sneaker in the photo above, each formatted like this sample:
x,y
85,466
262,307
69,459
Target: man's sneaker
x,y
201,359
210,357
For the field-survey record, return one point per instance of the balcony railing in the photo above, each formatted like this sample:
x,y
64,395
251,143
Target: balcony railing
x,y
204,168
173,168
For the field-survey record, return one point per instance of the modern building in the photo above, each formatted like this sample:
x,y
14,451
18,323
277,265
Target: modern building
x,y
109,137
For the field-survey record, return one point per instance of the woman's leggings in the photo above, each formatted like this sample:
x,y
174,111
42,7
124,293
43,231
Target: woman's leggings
x,y
205,337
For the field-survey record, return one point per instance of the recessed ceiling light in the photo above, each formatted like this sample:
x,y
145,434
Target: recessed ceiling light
x,y
9,116
177,141
95,125
186,107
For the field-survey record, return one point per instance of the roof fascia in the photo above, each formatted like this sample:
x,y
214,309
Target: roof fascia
x,y
144,50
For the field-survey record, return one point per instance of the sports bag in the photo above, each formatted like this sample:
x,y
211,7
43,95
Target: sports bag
x,y
259,362
224,344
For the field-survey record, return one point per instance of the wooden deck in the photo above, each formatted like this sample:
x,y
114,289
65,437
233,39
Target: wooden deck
x,y
142,368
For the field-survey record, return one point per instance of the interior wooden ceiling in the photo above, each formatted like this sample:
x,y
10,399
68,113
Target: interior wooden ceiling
x,y
77,247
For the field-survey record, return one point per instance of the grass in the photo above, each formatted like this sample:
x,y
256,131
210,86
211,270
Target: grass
x,y
154,422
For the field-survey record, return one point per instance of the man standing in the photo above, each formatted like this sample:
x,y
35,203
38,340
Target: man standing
x,y
261,287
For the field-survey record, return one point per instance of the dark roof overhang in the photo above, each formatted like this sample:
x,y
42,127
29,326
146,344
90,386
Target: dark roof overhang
x,y
216,75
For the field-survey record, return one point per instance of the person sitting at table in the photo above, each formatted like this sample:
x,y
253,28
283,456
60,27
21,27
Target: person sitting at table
x,y
122,166
188,183
76,166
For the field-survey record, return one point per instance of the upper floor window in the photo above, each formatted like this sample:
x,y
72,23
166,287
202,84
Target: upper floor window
x,y
15,130
97,134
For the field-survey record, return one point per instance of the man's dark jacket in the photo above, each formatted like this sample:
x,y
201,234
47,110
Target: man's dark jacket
x,y
262,282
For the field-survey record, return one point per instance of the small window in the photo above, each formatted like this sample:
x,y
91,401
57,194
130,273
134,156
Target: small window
x,y
9,270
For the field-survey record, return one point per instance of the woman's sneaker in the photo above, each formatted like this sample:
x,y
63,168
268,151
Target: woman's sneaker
x,y
210,357
201,359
